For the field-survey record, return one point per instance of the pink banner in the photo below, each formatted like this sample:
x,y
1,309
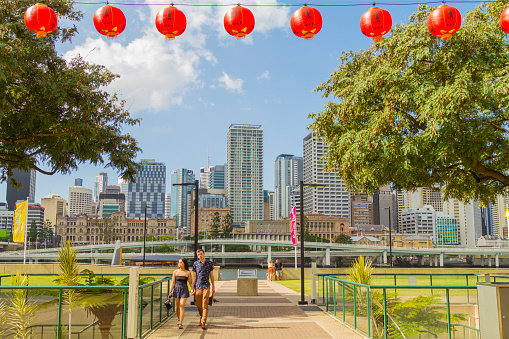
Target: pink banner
x,y
293,216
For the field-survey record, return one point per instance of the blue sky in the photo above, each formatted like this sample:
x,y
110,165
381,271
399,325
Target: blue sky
x,y
189,90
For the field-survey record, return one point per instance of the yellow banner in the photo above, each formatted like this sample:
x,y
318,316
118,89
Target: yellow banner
x,y
20,218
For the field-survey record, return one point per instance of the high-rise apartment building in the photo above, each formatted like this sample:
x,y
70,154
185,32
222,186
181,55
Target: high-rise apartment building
x,y
111,200
333,199
167,205
54,205
244,182
27,190
101,181
217,177
418,198
288,174
124,188
205,177
180,197
80,201
6,219
268,205
149,190
499,222
469,220
362,209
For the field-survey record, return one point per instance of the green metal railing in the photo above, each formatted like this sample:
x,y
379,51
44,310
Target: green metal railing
x,y
375,310
400,279
45,298
152,311
49,301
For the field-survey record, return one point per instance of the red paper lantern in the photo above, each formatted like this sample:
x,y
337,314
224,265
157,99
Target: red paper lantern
x,y
109,21
306,22
171,22
504,20
41,20
375,23
444,21
239,22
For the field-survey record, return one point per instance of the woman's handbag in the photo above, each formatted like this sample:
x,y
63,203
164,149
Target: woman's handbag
x,y
168,304
211,299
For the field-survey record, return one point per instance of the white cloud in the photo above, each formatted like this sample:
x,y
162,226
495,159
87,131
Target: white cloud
x,y
264,75
232,85
155,73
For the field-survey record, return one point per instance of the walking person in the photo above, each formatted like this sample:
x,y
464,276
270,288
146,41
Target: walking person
x,y
271,270
179,290
203,282
279,269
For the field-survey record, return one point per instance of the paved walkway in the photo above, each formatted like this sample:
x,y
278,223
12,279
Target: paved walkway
x,y
274,313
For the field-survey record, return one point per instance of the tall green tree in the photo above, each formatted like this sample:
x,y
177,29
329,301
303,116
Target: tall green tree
x,y
56,113
227,225
215,225
33,232
416,111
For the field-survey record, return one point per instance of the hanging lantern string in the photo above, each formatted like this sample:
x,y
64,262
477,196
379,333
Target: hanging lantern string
x,y
332,4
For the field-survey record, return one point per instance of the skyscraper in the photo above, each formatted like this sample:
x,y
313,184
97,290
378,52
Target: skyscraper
x,y
27,181
332,199
149,189
80,201
101,181
288,174
217,177
244,184
469,220
418,198
180,197
205,177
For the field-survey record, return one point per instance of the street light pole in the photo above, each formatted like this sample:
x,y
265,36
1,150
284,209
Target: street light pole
x,y
390,236
196,220
302,300
302,184
145,234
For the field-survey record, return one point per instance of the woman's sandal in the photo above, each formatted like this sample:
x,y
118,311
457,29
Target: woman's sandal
x,y
203,326
180,326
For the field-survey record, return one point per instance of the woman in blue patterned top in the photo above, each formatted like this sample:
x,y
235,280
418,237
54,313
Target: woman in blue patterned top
x,y
179,289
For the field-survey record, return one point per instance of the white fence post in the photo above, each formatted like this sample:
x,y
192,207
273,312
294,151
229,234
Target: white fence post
x,y
132,306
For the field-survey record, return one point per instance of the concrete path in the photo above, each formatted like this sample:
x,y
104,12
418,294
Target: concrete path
x,y
274,313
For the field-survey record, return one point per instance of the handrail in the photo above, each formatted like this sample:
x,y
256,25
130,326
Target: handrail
x,y
155,282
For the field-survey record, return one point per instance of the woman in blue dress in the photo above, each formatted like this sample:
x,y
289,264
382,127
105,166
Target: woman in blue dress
x,y
179,289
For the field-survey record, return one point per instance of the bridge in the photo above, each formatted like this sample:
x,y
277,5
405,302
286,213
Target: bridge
x,y
321,251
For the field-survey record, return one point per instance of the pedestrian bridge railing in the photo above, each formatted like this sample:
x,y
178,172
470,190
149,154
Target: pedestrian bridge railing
x,y
404,311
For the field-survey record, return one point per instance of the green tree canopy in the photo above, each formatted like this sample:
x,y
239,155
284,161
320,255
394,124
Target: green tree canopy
x,y
215,225
415,111
55,113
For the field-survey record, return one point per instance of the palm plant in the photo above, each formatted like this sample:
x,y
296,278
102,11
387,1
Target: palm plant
x,y
20,313
3,314
69,276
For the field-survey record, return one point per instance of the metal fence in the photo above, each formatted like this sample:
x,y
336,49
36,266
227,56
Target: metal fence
x,y
152,311
97,312
398,311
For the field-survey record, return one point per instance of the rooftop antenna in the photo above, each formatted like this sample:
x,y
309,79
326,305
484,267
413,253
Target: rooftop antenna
x,y
208,157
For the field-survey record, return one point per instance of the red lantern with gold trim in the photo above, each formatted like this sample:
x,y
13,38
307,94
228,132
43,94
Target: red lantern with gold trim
x,y
239,22
504,20
41,20
171,22
375,23
306,22
444,21
109,21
